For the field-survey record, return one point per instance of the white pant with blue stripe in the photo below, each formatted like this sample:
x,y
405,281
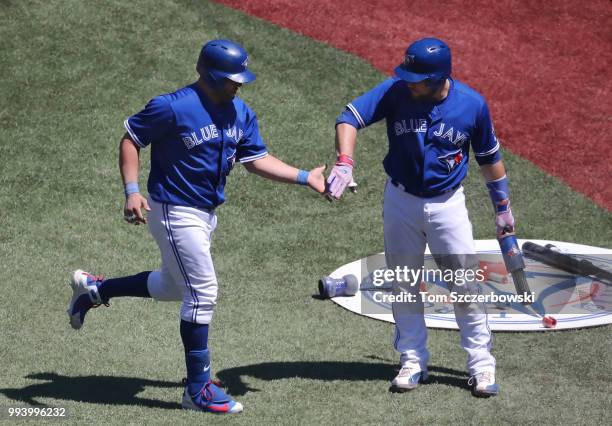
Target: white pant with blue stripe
x,y
187,274
442,222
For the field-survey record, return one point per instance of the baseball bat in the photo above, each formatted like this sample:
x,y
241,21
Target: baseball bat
x,y
565,262
515,264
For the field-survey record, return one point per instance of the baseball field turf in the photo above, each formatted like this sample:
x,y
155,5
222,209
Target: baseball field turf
x,y
72,71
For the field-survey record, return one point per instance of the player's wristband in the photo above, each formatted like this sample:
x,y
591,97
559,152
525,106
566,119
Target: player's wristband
x,y
498,190
346,159
302,177
131,188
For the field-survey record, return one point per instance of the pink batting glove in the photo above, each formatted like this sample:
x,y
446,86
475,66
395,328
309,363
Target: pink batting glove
x,y
340,176
504,221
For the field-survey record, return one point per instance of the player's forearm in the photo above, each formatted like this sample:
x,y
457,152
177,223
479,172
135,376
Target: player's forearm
x,y
497,184
346,139
493,172
129,160
272,168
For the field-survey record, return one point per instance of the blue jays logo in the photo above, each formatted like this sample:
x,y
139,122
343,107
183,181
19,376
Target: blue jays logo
x,y
452,160
513,251
408,60
456,137
231,132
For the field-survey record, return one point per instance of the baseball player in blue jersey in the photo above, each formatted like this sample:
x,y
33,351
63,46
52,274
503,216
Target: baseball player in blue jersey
x,y
432,121
196,134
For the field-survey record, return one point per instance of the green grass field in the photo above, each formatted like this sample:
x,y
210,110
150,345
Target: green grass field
x,y
71,72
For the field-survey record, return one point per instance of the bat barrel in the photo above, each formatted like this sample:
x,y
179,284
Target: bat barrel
x,y
565,262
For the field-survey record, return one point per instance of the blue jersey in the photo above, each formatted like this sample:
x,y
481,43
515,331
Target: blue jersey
x,y
194,144
428,143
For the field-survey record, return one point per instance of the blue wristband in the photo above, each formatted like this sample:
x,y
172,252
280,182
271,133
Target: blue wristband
x,y
131,188
498,190
302,177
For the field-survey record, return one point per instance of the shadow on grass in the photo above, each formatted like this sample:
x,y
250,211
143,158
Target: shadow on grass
x,y
232,378
93,389
114,390
448,376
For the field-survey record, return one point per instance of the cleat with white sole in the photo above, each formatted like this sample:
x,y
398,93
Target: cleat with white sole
x,y
211,399
85,295
483,384
409,378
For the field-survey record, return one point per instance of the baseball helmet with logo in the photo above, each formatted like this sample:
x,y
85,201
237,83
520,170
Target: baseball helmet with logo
x,y
426,59
224,59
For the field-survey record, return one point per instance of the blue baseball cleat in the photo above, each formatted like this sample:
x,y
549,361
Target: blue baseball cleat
x,y
409,378
483,384
85,296
211,399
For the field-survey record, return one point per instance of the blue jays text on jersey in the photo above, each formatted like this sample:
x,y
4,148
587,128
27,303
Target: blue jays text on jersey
x,y
428,142
194,144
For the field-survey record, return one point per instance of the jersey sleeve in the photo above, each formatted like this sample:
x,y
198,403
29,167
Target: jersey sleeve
x,y
368,108
484,142
150,124
251,147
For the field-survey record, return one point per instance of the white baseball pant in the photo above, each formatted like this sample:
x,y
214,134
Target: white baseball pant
x,y
442,222
187,274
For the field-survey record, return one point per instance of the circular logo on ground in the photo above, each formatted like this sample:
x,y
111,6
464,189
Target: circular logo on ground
x,y
558,299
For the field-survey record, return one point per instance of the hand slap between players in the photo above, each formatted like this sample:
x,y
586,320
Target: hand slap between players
x,y
132,211
316,179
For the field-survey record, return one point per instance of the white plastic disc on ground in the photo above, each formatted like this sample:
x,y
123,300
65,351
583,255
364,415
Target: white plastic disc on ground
x,y
573,301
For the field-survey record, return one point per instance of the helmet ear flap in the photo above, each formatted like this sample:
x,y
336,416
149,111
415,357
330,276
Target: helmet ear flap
x,y
207,75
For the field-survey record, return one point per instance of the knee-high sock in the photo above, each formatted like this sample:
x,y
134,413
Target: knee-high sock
x,y
133,285
197,356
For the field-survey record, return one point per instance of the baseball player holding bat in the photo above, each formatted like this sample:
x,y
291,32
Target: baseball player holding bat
x,y
432,121
196,134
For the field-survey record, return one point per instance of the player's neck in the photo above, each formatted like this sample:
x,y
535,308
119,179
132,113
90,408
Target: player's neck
x,y
442,93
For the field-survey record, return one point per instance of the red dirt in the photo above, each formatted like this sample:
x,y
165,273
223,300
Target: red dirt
x,y
543,68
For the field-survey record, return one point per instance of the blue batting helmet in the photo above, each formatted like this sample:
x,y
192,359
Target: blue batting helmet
x,y
426,59
224,59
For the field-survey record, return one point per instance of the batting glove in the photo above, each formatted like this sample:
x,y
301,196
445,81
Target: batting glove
x,y
504,220
340,176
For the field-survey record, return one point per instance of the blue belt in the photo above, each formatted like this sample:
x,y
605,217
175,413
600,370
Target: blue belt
x,y
424,194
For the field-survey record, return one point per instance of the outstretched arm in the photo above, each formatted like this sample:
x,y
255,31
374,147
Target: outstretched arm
x,y
274,169
346,139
